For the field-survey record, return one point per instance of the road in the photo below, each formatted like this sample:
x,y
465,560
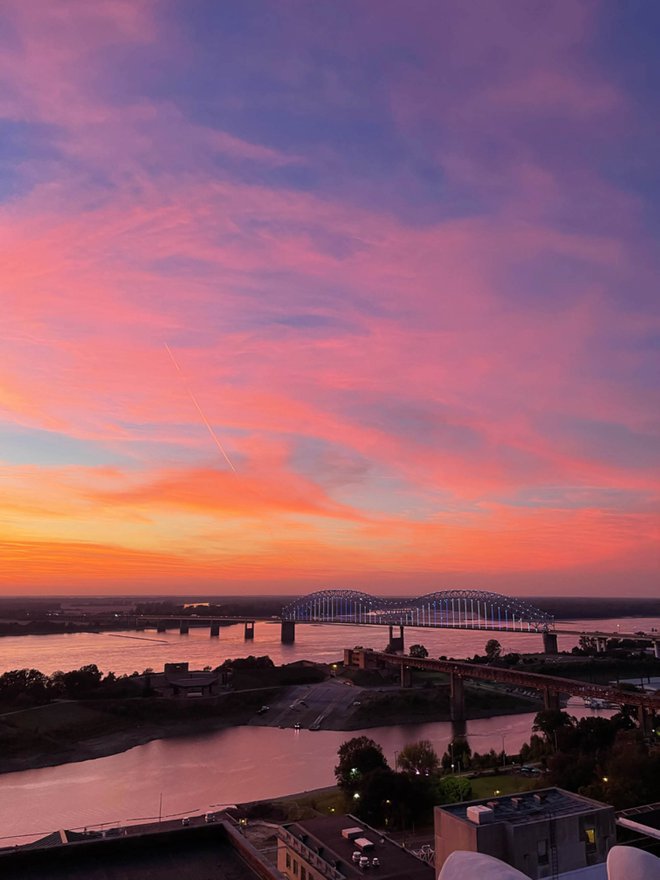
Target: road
x,y
312,706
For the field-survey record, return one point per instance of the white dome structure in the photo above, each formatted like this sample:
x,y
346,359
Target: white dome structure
x,y
629,863
462,865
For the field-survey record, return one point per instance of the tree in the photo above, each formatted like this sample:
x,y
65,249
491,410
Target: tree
x,y
553,724
79,683
418,651
588,644
458,756
452,789
27,686
493,650
358,757
419,758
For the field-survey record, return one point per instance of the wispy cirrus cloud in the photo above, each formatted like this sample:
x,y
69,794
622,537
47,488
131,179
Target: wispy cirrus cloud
x,y
396,264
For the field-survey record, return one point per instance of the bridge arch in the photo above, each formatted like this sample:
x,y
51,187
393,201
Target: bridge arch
x,y
458,608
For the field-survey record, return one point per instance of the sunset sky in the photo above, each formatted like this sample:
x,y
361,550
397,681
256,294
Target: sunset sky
x,y
359,293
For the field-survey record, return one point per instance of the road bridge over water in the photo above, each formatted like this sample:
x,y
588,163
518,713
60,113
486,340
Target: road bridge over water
x,y
551,687
446,609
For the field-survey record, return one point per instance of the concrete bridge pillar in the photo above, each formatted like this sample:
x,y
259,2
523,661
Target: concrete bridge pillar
x,y
184,627
215,629
161,626
550,643
406,676
456,697
288,634
656,650
396,642
550,699
249,630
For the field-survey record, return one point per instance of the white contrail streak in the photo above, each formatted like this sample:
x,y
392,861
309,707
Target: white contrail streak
x,y
214,436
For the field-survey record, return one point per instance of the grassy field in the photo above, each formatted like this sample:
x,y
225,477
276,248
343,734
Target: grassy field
x,y
329,801
489,786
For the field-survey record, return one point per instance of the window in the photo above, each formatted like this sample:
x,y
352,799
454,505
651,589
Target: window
x,y
542,852
288,859
590,834
303,873
295,866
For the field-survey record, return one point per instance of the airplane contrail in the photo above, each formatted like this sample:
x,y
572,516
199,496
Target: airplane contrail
x,y
214,436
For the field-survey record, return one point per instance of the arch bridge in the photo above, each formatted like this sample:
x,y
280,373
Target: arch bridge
x,y
453,609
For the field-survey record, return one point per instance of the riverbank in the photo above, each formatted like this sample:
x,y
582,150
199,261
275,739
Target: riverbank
x,y
71,731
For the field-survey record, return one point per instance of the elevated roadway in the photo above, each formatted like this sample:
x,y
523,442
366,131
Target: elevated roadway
x,y
550,686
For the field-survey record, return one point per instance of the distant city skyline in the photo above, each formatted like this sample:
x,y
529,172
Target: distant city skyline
x,y
308,295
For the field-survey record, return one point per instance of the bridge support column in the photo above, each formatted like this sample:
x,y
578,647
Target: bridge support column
x,y
161,626
406,676
456,697
288,633
550,699
550,643
215,629
249,630
396,642
656,650
184,626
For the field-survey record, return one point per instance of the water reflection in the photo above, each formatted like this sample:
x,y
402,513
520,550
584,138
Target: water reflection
x,y
194,773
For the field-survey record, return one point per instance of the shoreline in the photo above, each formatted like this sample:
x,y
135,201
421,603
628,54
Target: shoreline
x,y
119,741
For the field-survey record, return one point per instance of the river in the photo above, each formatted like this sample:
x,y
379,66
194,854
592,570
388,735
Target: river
x,y
196,772
200,772
123,653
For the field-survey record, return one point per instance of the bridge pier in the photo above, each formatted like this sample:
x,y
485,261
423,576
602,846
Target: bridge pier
x,y
550,643
406,676
184,627
288,632
249,630
215,629
550,699
456,697
396,642
161,626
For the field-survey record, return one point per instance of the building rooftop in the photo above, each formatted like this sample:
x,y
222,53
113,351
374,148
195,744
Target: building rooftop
x,y
323,837
202,852
529,806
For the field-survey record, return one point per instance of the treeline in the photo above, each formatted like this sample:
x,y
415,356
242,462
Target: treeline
x,y
23,688
396,798
258,606
606,759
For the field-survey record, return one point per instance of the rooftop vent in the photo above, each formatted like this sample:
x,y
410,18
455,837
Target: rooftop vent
x,y
539,798
479,814
351,833
516,803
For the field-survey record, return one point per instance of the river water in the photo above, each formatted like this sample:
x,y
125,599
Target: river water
x,y
130,651
197,772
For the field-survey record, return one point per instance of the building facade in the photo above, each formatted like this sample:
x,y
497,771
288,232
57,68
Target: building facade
x,y
542,833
